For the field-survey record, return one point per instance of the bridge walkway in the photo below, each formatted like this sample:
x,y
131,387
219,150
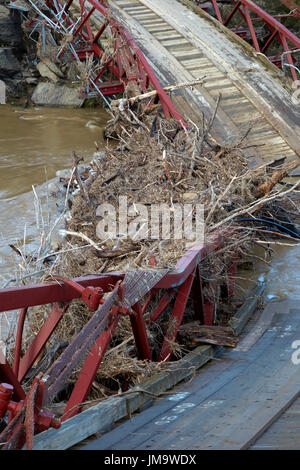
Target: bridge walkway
x,y
182,45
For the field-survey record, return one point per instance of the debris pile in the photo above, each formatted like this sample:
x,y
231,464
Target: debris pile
x,y
156,161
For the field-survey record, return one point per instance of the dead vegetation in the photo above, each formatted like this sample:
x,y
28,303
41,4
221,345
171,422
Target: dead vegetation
x,y
158,162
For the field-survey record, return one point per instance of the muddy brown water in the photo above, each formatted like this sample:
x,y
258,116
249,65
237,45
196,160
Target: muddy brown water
x,y
34,144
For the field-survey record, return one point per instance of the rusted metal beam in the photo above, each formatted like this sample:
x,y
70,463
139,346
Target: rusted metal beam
x,y
17,354
41,339
139,332
176,318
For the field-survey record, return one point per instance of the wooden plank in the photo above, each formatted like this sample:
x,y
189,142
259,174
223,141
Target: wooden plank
x,y
239,320
167,67
193,333
243,436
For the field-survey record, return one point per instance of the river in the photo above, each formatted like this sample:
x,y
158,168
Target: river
x,y
34,144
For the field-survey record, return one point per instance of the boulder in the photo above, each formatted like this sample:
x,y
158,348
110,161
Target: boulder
x,y
48,69
9,64
50,94
10,27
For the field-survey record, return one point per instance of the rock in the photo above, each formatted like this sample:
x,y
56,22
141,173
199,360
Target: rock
x,y
49,70
50,94
16,90
10,27
66,173
9,64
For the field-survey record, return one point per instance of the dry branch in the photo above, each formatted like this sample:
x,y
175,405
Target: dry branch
x,y
151,94
277,176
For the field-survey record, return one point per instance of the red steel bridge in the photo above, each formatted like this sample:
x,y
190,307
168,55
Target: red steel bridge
x,y
129,23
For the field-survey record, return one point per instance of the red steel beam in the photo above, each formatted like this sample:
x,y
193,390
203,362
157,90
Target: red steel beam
x,y
279,31
41,339
161,306
217,10
139,332
269,41
87,17
269,19
176,317
17,354
289,55
167,105
7,375
251,28
197,294
41,294
236,7
101,31
291,5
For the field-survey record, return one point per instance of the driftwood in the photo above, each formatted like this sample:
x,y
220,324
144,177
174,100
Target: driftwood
x,y
151,94
77,160
193,334
277,176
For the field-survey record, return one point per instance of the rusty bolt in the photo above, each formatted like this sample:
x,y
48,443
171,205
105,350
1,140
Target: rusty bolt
x,y
91,296
45,420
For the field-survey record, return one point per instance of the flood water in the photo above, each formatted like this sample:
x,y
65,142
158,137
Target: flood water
x,y
34,144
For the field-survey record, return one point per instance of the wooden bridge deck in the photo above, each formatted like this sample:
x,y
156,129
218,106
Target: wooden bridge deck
x,y
182,46
232,400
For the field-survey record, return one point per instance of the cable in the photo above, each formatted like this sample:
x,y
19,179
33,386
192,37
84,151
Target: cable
x,y
249,219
